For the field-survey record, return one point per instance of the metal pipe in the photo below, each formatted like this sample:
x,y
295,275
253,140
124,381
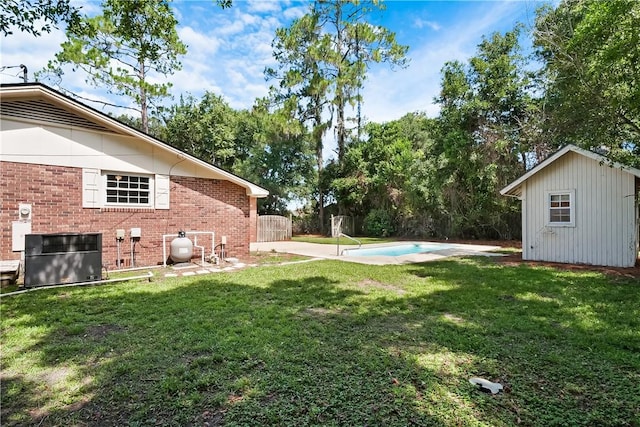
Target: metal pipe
x,y
149,275
118,260
348,237
195,245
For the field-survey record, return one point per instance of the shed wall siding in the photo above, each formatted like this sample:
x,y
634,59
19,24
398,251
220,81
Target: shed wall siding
x,y
605,229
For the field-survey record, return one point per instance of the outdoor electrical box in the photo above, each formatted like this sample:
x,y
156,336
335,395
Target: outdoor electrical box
x,y
120,234
136,232
51,259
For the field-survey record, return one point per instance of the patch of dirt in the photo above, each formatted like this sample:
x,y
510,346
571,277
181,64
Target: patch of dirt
x,y
99,332
515,259
321,312
54,376
365,284
267,258
453,318
212,418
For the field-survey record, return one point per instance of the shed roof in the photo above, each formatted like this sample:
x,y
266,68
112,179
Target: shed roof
x,y
514,189
75,113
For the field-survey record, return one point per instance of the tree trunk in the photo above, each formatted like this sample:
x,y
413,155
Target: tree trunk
x,y
318,131
143,100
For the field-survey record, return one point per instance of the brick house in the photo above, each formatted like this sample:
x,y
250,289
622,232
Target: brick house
x,y
76,169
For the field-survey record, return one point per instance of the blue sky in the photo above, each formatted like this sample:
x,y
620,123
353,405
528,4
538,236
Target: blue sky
x,y
229,49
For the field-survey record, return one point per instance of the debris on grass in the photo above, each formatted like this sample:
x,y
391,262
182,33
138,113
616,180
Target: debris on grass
x,y
486,385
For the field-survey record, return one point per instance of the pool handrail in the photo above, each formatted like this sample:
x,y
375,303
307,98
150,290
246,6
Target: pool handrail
x,y
348,237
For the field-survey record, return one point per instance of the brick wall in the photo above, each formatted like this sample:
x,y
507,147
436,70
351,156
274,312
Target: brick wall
x,y
55,193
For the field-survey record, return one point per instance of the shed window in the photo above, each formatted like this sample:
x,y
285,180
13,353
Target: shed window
x,y
561,208
128,190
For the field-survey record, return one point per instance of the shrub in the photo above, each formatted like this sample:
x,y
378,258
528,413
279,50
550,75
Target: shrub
x,y
379,223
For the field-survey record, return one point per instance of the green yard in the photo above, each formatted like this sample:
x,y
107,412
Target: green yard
x,y
328,343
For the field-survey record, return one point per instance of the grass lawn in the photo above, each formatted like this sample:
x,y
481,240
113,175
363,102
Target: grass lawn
x,y
328,343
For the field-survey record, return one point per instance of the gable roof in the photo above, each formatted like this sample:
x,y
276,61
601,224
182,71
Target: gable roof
x,y
514,190
36,101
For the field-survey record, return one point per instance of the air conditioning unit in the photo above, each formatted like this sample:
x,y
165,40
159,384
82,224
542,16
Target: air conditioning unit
x,y
51,259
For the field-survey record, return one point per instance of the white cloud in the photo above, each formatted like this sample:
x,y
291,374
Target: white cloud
x,y
230,28
422,23
295,12
263,6
87,7
199,44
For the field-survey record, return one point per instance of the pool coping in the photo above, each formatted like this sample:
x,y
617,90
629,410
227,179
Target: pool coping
x,y
325,251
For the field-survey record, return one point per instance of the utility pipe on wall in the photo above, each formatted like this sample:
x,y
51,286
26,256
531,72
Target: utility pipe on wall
x,y
164,243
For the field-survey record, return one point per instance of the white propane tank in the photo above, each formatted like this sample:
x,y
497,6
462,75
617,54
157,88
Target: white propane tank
x,y
181,248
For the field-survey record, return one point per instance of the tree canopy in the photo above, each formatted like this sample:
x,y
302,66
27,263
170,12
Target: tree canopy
x,y
122,48
591,75
36,16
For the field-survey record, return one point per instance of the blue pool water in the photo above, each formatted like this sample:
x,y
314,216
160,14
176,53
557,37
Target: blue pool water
x,y
397,250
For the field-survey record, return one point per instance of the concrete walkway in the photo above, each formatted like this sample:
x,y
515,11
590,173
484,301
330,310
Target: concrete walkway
x,y
322,251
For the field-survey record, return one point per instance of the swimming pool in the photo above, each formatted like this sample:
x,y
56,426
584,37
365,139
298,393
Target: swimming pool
x,y
397,250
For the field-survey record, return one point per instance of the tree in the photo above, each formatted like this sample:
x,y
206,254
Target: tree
x,y
483,138
348,45
123,48
274,151
302,88
322,59
205,128
387,176
591,75
155,124
27,14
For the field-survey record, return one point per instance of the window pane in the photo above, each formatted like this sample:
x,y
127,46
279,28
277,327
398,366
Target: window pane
x,y
128,190
560,215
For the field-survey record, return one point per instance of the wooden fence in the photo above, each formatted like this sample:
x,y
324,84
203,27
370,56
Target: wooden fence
x,y
273,228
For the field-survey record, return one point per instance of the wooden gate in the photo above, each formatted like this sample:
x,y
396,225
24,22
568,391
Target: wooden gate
x,y
273,228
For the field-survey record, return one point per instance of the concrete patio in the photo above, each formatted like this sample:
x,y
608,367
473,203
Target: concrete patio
x,y
326,251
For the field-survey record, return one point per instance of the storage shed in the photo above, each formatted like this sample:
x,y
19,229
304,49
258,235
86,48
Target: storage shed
x,y
578,207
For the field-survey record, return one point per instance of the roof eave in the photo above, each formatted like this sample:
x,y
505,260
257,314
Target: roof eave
x,y
512,190
38,89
